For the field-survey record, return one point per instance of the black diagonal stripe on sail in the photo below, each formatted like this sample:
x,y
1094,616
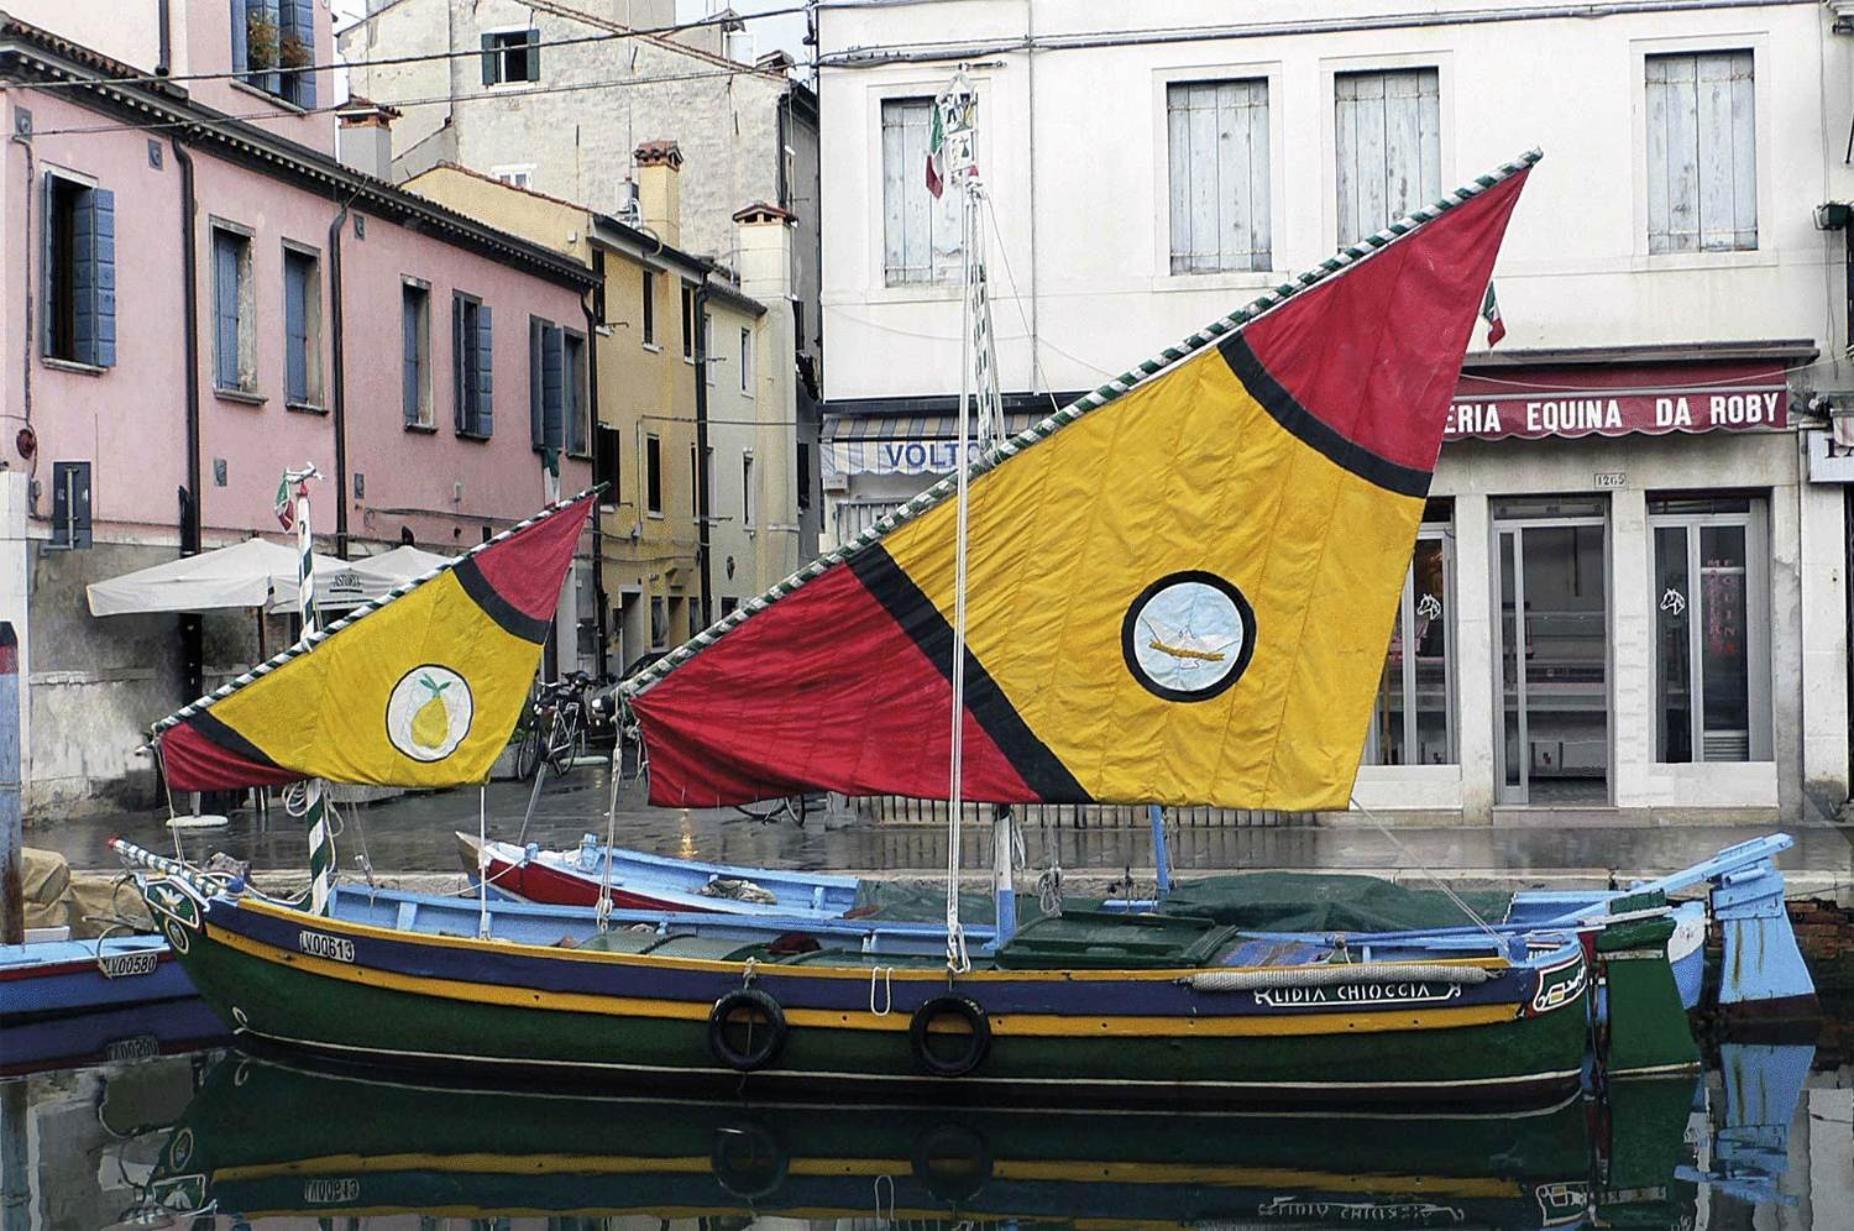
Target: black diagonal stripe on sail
x,y
1313,432
513,620
214,731
927,628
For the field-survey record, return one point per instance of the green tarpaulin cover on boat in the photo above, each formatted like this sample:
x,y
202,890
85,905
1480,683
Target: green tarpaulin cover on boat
x,y
1316,902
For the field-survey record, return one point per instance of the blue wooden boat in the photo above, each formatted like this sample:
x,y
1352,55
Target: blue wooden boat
x,y
46,978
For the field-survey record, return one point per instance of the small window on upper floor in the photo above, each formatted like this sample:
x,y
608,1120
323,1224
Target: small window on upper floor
x,y
1387,129
746,361
273,47
688,323
511,55
521,176
302,330
472,367
920,228
234,310
1218,138
1702,153
80,272
415,318
650,308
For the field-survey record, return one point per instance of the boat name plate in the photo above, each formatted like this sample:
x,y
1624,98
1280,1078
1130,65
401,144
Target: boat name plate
x,y
334,948
1417,1213
128,965
1356,993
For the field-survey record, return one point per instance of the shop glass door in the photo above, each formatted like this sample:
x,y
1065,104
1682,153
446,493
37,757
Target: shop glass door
x,y
1551,564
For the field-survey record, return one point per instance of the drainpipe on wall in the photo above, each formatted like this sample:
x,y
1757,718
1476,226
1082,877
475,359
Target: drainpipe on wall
x,y
337,384
192,630
700,325
164,57
598,534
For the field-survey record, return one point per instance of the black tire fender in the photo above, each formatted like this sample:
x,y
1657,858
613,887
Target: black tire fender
x,y
967,1010
764,1050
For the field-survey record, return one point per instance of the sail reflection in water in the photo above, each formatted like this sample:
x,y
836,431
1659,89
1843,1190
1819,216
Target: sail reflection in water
x,y
263,1141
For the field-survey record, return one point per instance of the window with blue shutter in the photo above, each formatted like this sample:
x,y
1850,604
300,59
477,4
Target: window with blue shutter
x,y
296,52
80,272
234,361
273,47
302,346
553,387
416,382
578,434
485,372
537,410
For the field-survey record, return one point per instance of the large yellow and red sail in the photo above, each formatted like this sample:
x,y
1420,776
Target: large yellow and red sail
x,y
1182,596
419,690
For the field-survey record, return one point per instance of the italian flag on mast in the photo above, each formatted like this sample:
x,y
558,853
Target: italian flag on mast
x,y
936,152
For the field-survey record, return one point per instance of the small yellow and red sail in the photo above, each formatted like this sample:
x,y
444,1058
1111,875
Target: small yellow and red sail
x,y
421,691
1181,597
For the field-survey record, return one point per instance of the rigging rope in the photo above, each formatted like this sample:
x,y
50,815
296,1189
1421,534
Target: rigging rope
x,y
1447,890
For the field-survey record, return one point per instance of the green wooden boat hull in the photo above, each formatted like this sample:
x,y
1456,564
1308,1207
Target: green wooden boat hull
x,y
370,995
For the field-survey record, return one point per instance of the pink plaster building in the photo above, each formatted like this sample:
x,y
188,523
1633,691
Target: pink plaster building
x,y
195,294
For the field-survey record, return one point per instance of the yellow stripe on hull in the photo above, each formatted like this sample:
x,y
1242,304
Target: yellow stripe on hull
x,y
1002,1025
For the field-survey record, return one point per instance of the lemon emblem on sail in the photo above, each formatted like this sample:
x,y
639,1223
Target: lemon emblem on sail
x,y
432,724
429,712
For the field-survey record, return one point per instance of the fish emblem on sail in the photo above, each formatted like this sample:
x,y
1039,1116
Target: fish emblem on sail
x,y
419,690
1177,593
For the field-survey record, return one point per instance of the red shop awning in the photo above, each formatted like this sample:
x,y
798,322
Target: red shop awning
x,y
1617,399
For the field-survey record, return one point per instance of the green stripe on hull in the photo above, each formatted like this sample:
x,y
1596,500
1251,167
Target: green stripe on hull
x,y
288,1005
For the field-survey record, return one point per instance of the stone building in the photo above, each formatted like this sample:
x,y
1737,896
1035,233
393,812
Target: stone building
x,y
561,96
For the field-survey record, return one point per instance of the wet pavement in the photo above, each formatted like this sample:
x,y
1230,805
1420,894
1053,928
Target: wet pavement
x,y
414,834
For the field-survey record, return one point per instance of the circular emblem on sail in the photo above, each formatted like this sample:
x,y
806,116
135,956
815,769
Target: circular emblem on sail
x,y
429,712
1188,636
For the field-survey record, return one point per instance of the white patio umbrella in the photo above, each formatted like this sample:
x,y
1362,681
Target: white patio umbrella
x,y
401,564
256,573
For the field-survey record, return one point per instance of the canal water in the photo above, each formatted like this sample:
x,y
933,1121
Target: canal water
x,y
1762,1141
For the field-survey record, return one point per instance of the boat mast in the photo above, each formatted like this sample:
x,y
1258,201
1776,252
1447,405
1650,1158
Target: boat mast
x,y
953,159
314,806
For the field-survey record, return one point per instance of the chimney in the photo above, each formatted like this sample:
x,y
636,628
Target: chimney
x,y
763,241
659,189
364,136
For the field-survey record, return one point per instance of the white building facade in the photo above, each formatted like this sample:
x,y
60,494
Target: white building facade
x,y
1629,599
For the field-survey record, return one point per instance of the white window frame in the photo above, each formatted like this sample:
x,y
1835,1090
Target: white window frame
x,y
1440,59
1758,44
502,81
746,359
515,175
647,298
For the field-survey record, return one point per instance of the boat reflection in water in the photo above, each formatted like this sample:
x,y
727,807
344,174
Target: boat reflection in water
x,y
262,1140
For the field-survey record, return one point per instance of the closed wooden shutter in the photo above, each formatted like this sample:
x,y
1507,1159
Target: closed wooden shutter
x,y
1702,152
1219,176
1388,144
